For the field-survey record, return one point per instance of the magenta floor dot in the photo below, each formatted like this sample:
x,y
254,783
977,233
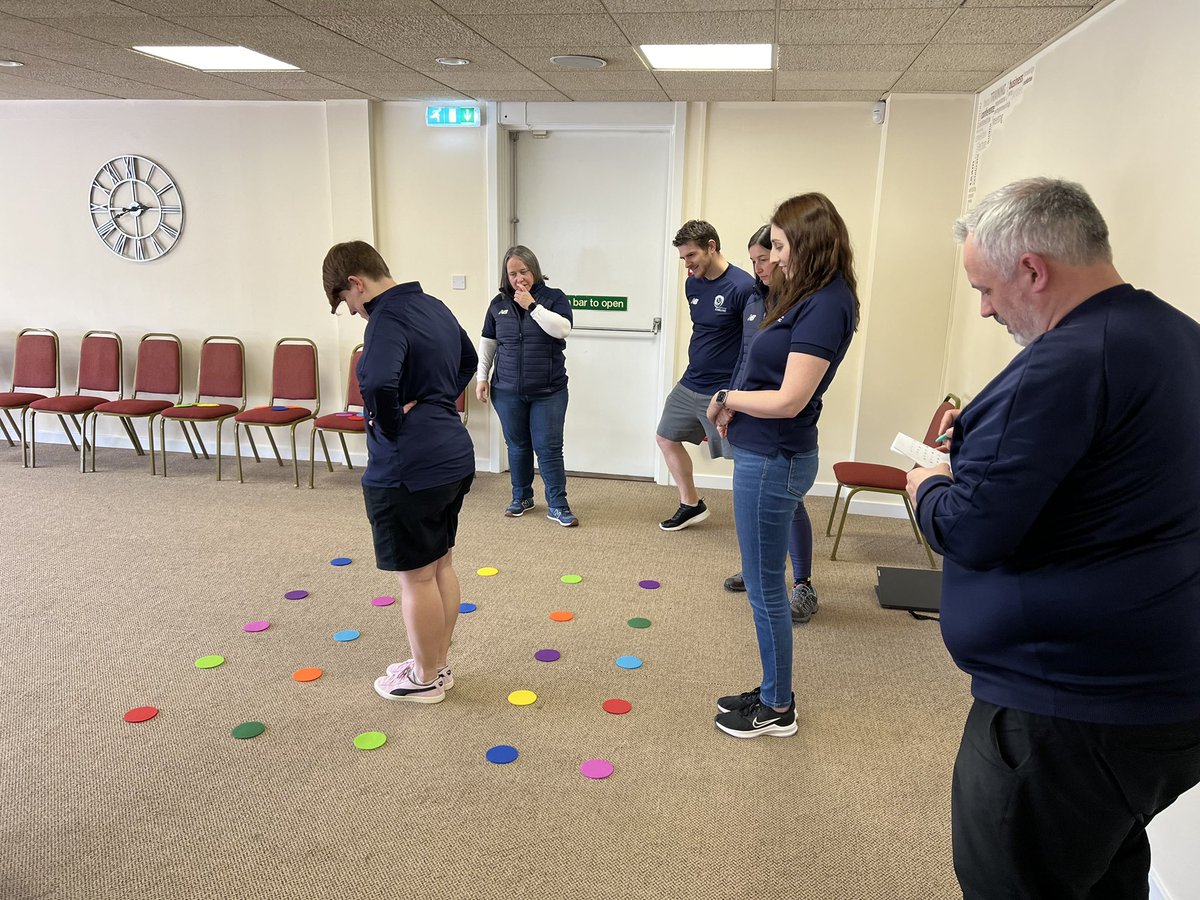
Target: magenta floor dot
x,y
295,595
596,768
341,561
502,754
261,625
547,655
467,607
346,634
649,584
629,662
383,601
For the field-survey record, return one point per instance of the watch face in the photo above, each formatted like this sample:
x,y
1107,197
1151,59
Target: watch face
x,y
136,208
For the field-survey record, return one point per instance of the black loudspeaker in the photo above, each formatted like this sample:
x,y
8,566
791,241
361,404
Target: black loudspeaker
x,y
918,590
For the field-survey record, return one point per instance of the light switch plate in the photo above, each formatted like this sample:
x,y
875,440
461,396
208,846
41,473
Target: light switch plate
x,y
458,282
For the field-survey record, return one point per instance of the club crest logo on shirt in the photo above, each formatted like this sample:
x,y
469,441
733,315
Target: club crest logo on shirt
x,y
719,301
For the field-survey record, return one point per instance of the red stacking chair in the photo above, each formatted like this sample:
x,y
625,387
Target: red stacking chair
x,y
461,405
100,370
35,365
294,376
222,376
159,371
343,423
882,480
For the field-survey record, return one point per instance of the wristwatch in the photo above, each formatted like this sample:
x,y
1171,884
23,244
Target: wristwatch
x,y
721,396
532,304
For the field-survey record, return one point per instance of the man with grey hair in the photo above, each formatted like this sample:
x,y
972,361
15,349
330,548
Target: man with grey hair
x,y
1070,527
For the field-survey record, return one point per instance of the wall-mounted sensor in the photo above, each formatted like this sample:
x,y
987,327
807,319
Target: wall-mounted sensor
x,y
879,112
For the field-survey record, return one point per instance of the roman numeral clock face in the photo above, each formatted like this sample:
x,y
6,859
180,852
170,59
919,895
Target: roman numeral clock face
x,y
136,208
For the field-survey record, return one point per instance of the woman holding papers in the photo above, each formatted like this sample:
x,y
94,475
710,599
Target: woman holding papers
x,y
771,421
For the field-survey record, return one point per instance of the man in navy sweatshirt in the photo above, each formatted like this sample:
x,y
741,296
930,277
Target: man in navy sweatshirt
x,y
1070,528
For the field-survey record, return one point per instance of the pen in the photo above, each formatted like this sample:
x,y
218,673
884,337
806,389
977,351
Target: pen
x,y
942,438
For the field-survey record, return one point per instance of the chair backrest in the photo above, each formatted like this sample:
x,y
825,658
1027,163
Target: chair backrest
x,y
353,390
100,366
934,432
294,371
159,365
222,368
36,362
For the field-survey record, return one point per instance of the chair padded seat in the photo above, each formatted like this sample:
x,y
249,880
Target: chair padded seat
x,y
335,422
133,407
68,405
870,475
202,413
265,415
11,400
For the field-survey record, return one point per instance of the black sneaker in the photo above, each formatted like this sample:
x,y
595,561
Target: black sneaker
x,y
757,720
738,701
735,584
803,602
685,516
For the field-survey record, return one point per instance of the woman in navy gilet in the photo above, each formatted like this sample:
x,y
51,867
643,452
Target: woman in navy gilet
x,y
524,335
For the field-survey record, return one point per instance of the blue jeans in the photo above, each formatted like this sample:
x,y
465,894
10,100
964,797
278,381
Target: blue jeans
x,y
766,491
533,423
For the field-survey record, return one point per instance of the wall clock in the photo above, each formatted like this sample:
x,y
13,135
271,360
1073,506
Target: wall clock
x,y
136,208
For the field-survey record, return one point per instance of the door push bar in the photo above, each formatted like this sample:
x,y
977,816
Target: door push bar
x,y
655,328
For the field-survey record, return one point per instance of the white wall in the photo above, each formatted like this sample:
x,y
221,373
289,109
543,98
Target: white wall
x,y
1111,106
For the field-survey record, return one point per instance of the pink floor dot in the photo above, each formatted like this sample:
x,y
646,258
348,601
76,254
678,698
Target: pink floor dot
x,y
256,626
596,768
383,601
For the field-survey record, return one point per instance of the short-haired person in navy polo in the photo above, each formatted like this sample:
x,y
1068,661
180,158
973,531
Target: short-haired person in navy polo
x,y
416,362
717,293
1070,528
771,421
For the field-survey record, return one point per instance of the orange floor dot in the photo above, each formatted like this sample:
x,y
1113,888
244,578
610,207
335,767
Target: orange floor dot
x,y
309,674
561,615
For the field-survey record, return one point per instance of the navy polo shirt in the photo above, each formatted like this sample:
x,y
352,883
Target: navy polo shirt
x,y
716,308
752,317
820,326
414,349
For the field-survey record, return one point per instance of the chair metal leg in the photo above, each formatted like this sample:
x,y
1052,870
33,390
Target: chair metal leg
x,y
295,461
187,437
200,441
32,432
325,450
84,445
833,509
95,420
133,436
7,436
253,447
67,431
271,438
345,452
921,538
237,446
842,524
150,443
162,441
24,440
220,422
312,456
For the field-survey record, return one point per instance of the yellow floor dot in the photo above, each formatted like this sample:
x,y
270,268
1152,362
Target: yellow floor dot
x,y
487,571
522,698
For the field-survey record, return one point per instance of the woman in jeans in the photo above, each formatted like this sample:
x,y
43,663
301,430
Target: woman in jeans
x,y
771,421
524,334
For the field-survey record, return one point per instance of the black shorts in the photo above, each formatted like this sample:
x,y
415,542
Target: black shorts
x,y
414,528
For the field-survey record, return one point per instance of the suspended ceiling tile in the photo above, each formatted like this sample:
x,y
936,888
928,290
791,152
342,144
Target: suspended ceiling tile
x,y
127,31
523,7
33,89
1008,26
601,80
618,96
717,95
847,57
281,81
958,82
336,94
362,7
403,81
1010,3
522,31
852,26
531,96
483,59
868,4
699,28
34,37
45,9
403,33
825,96
537,58
506,82
835,81
172,9
972,57
687,6
717,85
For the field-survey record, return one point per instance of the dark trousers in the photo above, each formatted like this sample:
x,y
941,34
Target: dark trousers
x,y
1051,809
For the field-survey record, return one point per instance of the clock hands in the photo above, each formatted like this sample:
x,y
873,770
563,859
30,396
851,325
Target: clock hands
x,y
136,209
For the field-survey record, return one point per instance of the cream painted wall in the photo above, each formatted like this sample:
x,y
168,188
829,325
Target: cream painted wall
x,y
1111,106
431,207
255,186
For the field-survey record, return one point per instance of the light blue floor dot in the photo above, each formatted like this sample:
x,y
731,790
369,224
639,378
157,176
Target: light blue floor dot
x,y
349,634
629,662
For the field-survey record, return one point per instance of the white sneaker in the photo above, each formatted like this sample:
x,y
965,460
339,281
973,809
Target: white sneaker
x,y
404,686
445,673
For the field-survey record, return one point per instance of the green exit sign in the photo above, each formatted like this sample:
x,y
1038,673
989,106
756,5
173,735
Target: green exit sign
x,y
596,302
452,116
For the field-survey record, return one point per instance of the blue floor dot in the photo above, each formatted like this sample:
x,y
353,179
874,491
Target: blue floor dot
x,y
349,634
629,662
501,754
341,561
467,607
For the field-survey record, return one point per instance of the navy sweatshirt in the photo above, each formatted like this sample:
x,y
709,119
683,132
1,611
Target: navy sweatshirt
x,y
1071,528
414,349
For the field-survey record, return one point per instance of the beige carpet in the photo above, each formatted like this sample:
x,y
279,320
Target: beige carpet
x,y
117,582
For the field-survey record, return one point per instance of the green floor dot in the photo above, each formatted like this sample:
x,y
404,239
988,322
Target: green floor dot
x,y
209,662
370,740
571,579
639,623
248,730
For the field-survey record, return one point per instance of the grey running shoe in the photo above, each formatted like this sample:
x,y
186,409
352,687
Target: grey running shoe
x,y
803,602
735,584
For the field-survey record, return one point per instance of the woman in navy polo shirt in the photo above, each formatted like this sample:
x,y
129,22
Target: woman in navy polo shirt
x,y
812,313
524,333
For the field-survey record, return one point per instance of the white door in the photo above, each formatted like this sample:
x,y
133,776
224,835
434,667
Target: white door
x,y
593,206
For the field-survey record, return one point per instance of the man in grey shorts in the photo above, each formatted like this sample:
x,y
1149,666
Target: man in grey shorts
x,y
717,293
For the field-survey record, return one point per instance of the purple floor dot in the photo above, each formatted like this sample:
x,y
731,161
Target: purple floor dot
x,y
547,655
649,584
295,595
